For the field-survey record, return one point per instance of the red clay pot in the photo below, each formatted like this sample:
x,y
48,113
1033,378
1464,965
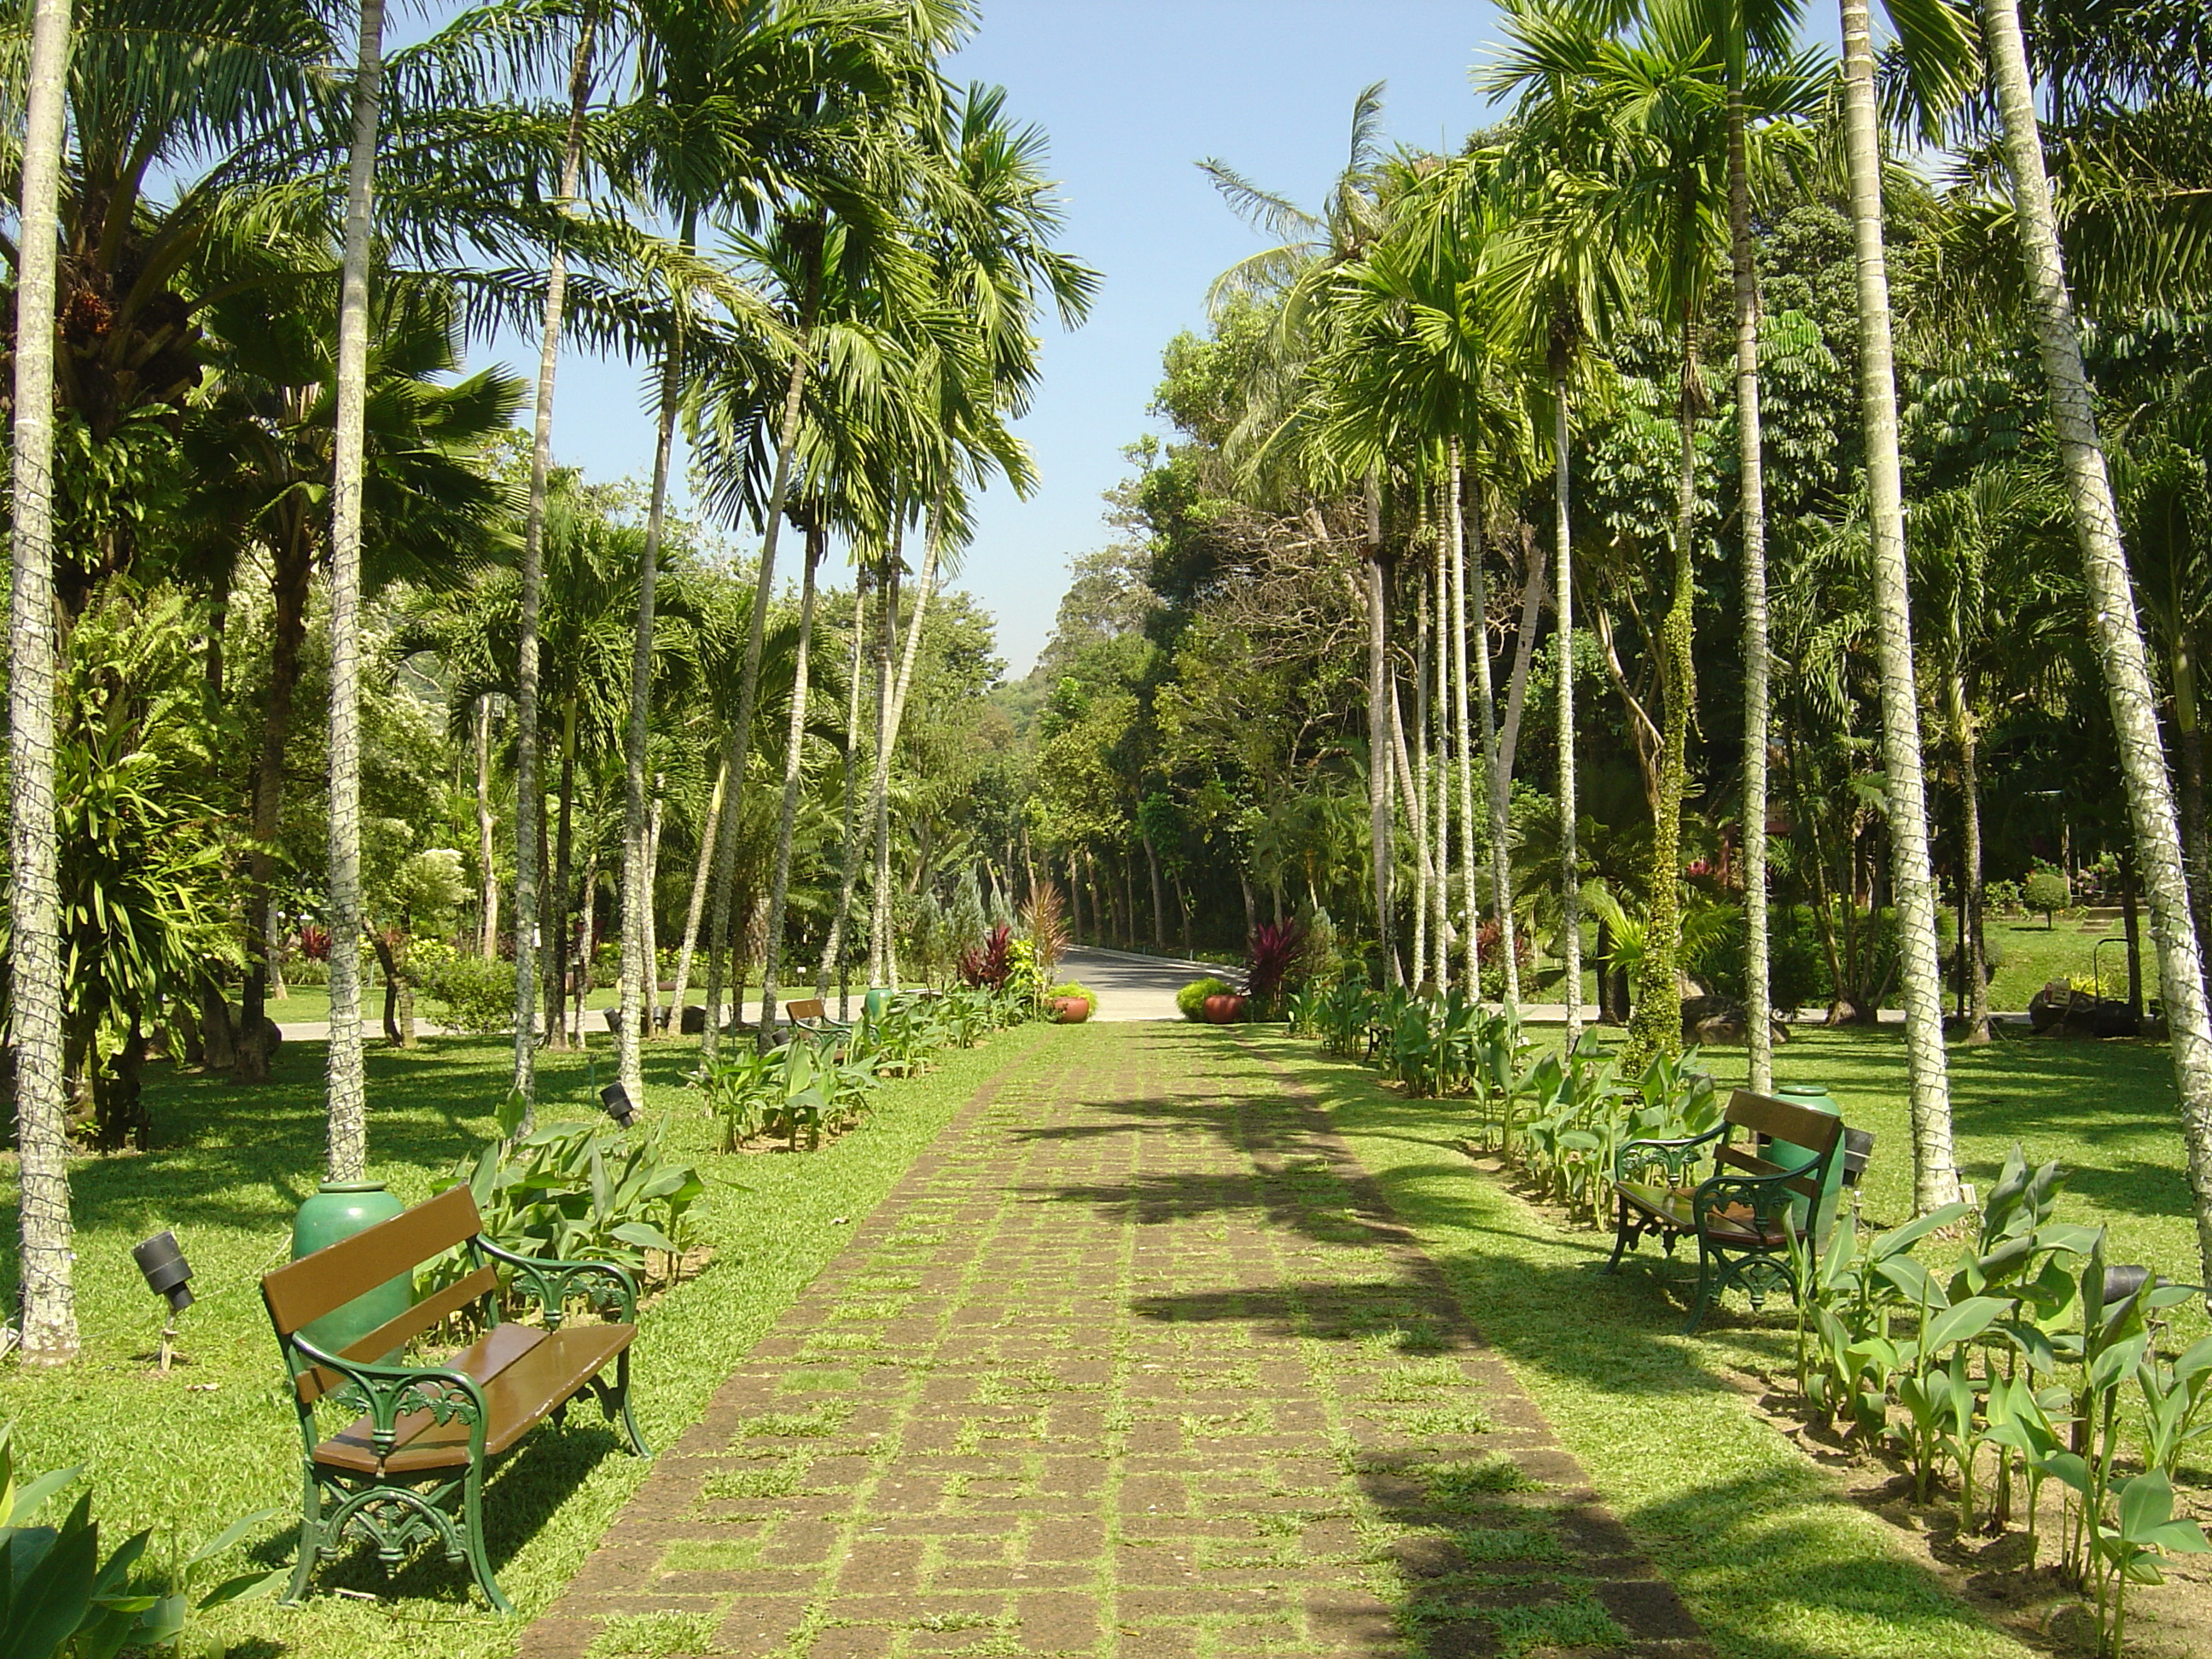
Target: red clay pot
x,y
1070,1011
1225,1009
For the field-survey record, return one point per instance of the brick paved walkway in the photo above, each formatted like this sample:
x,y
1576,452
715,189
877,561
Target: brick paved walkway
x,y
1135,1361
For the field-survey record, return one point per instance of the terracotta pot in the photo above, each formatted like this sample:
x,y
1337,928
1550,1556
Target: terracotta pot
x,y
1225,1009
1070,1011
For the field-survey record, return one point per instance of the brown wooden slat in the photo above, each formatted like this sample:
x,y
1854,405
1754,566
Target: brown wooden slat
x,y
331,1277
524,1390
810,1008
1782,1120
393,1334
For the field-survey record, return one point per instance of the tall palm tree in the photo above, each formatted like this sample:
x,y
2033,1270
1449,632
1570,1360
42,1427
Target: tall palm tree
x,y
529,804
1749,31
1935,1174
48,1328
2118,629
1565,280
986,231
1308,249
349,1096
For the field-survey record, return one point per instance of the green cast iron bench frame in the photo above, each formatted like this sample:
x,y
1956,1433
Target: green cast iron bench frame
x,y
409,1469
1743,1215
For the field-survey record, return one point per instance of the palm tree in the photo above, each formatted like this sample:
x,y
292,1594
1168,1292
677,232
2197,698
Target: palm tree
x,y
2118,629
348,1098
48,1327
1308,247
794,757
986,233
1935,1177
1565,280
528,803
1751,30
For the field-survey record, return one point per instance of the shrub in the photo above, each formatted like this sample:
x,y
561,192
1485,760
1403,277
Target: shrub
x,y
989,963
315,942
1191,998
1274,961
2046,890
468,993
1072,989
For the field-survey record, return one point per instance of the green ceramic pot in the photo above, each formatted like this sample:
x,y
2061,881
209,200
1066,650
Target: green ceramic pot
x,y
879,998
1789,1155
338,1210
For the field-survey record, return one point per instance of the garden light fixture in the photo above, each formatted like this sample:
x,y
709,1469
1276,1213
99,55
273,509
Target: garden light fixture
x,y
166,1274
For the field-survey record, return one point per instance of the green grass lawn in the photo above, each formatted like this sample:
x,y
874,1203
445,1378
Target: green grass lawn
x,y
2033,954
1764,1543
189,1452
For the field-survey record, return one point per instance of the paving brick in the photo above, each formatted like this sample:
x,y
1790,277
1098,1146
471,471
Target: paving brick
x,y
1085,1384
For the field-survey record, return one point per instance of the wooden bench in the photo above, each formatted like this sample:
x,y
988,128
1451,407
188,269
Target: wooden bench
x,y
1745,1214
813,1014
424,1436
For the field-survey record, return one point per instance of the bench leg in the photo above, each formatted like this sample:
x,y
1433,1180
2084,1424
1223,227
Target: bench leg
x,y
1622,1236
1705,1276
311,1538
473,1540
614,1401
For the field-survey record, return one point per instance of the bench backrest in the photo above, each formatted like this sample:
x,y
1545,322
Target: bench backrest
x,y
303,1292
810,1008
1819,1133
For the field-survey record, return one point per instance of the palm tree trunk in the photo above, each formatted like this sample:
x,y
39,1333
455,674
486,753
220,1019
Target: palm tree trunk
x,y
1973,972
1463,744
348,1085
794,757
1423,785
879,818
1654,1020
1413,797
1440,801
292,578
559,896
833,952
488,904
1378,734
739,746
1570,907
638,967
651,1015
529,807
889,721
1159,901
1934,1175
2118,631
47,1293
2189,739
1495,783
1758,1027
707,833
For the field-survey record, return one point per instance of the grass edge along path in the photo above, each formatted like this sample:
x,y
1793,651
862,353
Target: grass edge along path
x,y
1769,1553
187,1454
1135,1361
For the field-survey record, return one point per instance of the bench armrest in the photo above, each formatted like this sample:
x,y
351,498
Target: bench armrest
x,y
550,1283
1638,1157
384,1392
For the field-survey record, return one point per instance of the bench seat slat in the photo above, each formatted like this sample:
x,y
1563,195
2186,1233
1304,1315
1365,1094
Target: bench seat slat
x,y
527,1372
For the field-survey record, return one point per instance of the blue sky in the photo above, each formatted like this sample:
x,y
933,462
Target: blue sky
x,y
1132,94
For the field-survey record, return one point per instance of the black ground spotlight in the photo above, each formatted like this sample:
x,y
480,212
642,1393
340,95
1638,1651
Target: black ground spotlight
x,y
616,1100
166,1274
